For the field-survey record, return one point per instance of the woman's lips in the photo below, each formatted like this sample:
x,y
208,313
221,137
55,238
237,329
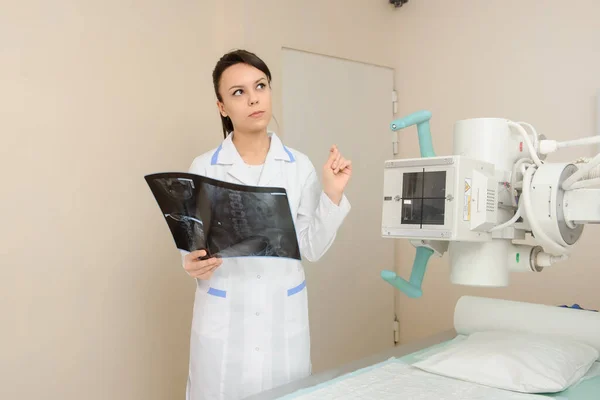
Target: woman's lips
x,y
256,114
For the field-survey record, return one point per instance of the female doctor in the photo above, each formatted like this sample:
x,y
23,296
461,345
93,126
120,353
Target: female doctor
x,y
250,328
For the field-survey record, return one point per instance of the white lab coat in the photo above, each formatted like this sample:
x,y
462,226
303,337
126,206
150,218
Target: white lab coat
x,y
250,328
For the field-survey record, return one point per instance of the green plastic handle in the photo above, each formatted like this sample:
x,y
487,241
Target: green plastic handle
x,y
421,120
411,288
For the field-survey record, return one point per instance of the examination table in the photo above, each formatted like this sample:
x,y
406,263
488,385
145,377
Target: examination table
x,y
472,314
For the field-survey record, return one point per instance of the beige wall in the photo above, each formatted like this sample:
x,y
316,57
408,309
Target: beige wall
x,y
524,60
93,95
356,30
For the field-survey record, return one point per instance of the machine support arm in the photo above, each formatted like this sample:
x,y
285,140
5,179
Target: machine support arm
x,y
412,288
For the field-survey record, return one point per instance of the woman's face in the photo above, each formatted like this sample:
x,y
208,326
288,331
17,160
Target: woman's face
x,y
246,98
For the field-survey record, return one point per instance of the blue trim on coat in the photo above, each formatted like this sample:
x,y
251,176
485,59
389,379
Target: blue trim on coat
x,y
296,289
215,156
217,292
292,159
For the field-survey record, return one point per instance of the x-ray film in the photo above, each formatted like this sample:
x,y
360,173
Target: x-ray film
x,y
225,219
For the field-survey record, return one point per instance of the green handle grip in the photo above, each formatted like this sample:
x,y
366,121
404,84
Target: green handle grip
x,y
421,120
411,288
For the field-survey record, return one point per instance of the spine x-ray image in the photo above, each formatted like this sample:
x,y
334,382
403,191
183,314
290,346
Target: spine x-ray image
x,y
225,219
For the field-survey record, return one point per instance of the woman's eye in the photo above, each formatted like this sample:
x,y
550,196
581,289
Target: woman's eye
x,y
261,85
237,92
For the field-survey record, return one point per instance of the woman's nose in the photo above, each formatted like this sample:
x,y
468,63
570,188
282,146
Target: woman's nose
x,y
253,99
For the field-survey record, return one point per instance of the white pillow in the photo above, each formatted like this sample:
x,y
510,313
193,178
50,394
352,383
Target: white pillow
x,y
520,362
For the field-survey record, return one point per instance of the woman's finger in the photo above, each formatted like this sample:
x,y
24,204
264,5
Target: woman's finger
x,y
203,264
195,255
336,162
339,167
204,271
203,275
346,165
332,155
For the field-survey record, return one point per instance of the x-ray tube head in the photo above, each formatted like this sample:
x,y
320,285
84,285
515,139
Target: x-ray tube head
x,y
496,187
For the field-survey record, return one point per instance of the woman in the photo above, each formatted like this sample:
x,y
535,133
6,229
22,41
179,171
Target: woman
x,y
250,328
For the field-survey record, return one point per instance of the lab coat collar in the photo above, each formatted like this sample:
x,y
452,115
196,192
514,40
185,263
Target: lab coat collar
x,y
277,155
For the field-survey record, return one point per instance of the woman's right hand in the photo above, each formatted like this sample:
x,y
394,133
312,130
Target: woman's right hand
x,y
200,269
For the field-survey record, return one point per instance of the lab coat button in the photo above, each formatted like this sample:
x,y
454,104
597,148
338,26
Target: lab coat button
x,y
258,276
257,314
257,349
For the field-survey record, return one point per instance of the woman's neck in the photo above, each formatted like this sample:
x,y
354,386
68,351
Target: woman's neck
x,y
252,147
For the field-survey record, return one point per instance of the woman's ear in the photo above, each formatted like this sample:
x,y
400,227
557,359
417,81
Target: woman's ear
x,y
221,108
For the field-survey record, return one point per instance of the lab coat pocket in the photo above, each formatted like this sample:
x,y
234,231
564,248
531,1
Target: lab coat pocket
x,y
211,311
296,311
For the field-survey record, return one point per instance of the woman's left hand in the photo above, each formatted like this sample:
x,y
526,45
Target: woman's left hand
x,y
336,174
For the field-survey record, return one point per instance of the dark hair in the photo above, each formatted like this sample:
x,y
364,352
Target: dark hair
x,y
229,59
